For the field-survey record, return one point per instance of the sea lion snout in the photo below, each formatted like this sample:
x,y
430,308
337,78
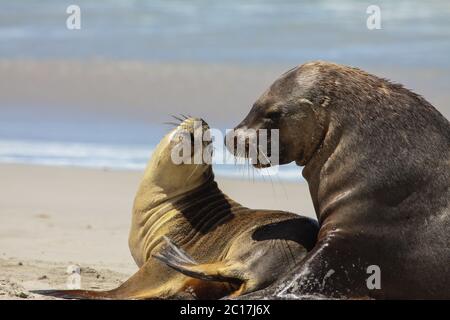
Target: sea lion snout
x,y
181,161
192,135
287,109
251,144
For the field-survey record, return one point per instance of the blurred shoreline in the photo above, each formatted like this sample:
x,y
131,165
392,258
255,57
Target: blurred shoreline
x,y
110,113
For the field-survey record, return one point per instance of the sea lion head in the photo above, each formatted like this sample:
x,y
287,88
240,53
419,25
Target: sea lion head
x,y
182,159
289,105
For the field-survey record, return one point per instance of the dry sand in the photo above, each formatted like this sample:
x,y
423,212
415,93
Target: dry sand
x,y
53,217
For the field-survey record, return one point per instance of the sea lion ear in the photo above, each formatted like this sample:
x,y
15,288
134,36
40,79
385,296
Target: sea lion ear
x,y
325,101
305,101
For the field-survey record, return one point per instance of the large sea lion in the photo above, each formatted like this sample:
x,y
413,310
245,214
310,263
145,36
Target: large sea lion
x,y
376,157
182,218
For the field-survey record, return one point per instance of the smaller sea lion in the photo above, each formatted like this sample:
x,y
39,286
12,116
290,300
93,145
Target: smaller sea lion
x,y
211,246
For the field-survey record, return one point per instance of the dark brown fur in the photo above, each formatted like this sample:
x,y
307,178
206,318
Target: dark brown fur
x,y
377,161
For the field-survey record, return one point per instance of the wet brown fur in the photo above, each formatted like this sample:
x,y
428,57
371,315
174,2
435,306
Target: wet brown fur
x,y
376,157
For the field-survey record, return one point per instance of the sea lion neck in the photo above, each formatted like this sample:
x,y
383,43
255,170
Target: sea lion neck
x,y
393,163
333,179
312,171
150,194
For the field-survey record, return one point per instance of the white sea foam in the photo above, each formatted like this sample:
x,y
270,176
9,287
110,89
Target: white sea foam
x,y
119,157
74,154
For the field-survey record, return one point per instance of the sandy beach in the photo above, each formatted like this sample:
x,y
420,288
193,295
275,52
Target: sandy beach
x,y
54,217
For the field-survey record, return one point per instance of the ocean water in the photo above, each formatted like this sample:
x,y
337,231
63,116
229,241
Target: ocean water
x,y
244,31
121,157
88,155
280,32
107,144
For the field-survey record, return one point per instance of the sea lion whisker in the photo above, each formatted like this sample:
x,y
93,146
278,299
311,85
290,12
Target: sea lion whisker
x,y
282,186
264,155
253,174
177,118
267,170
171,123
247,168
271,181
192,173
278,178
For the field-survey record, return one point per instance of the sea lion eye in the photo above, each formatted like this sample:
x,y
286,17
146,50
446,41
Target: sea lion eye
x,y
273,114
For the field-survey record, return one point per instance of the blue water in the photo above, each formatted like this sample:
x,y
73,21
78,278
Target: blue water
x,y
413,32
89,142
114,156
68,137
283,32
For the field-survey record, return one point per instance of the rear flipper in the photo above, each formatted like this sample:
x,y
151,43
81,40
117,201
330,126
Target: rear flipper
x,y
152,281
76,294
156,281
233,273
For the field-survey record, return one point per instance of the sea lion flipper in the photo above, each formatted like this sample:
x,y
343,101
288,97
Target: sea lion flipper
x,y
74,294
140,285
173,251
178,259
